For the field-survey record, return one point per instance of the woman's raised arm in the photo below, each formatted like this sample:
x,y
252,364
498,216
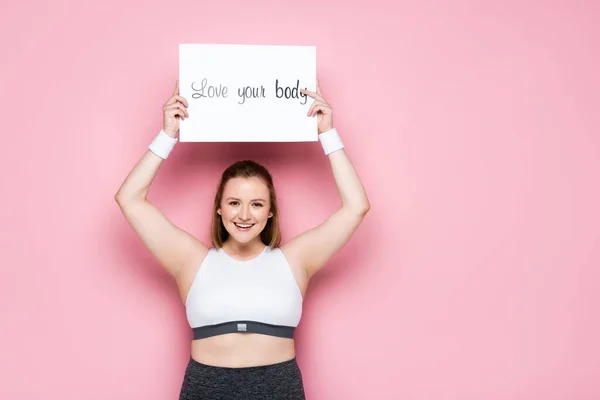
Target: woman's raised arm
x,y
313,248
169,244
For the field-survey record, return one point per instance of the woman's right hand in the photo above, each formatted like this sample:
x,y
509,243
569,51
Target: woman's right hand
x,y
174,110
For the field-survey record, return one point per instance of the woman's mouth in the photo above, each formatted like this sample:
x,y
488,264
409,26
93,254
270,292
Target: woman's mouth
x,y
243,227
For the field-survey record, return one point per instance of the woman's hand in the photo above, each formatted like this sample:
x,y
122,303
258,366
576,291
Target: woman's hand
x,y
174,110
320,108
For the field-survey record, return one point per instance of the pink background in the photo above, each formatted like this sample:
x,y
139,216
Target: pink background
x,y
474,126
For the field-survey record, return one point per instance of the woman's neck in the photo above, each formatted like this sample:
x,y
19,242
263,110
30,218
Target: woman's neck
x,y
243,250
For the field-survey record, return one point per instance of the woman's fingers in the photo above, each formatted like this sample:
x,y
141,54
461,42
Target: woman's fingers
x,y
182,108
314,95
183,100
177,106
176,112
318,105
313,108
176,98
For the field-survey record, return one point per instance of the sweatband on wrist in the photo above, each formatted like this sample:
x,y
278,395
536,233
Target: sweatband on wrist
x,y
331,141
162,144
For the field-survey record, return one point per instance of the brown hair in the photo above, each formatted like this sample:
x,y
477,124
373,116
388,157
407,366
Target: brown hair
x,y
271,234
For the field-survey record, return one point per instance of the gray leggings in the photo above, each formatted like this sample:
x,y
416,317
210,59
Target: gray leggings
x,y
276,381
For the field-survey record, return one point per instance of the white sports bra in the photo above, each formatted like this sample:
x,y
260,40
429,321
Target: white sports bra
x,y
259,295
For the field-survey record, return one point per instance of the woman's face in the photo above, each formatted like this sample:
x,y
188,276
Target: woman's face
x,y
245,208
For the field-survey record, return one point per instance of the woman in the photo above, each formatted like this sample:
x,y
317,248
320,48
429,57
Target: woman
x,y
243,295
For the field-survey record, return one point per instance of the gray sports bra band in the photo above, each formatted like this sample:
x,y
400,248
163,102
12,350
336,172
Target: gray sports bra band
x,y
243,326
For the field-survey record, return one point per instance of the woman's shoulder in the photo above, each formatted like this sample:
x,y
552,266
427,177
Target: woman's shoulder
x,y
196,260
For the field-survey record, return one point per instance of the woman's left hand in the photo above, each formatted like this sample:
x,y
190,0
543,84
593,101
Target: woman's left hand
x,y
320,108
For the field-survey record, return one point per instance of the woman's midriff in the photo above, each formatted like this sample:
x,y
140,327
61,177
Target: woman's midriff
x,y
238,350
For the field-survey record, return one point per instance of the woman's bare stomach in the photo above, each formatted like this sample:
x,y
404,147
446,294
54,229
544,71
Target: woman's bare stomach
x,y
237,350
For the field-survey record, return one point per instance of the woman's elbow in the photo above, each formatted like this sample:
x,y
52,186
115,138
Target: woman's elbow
x,y
360,209
365,209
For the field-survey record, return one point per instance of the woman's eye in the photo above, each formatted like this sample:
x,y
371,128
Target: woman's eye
x,y
236,203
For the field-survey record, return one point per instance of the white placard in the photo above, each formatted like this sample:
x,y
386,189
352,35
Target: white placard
x,y
247,93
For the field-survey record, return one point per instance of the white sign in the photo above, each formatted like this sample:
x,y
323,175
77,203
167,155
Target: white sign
x,y
247,93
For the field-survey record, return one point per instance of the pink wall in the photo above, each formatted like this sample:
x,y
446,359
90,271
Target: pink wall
x,y
474,127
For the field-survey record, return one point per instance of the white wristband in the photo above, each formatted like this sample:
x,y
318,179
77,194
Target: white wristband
x,y
162,144
331,141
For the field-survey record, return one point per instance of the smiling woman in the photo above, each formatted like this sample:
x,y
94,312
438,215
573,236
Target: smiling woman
x,y
245,207
243,295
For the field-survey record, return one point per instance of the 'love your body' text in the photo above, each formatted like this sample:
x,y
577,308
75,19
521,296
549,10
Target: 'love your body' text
x,y
246,93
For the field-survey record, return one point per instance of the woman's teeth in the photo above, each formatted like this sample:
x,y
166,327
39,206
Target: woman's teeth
x,y
243,226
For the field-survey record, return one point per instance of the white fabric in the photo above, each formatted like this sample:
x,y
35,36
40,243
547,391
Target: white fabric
x,y
263,289
331,141
162,144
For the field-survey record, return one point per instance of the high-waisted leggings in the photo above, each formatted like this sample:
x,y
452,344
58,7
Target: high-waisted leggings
x,y
275,381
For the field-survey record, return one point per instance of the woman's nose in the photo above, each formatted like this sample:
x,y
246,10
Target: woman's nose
x,y
244,213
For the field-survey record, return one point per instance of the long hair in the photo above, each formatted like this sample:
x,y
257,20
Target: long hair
x,y
271,234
